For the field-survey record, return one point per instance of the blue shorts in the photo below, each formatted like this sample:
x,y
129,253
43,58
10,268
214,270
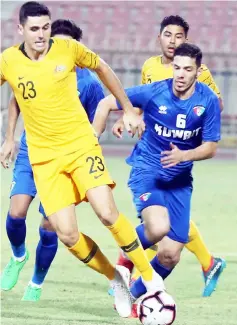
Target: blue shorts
x,y
148,191
23,179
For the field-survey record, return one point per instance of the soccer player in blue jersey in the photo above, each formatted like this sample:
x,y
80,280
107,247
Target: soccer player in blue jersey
x,y
23,188
182,118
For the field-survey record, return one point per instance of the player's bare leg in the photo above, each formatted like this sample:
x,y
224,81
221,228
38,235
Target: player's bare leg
x,y
102,201
16,231
45,253
86,250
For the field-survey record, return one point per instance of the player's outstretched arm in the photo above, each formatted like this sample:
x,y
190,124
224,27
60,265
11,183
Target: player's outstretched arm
x,y
103,110
84,57
111,81
105,106
8,147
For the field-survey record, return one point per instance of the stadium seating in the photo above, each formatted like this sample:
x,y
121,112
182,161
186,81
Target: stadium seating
x,y
125,33
133,26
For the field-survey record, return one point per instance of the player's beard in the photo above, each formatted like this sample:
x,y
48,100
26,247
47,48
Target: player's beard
x,y
187,87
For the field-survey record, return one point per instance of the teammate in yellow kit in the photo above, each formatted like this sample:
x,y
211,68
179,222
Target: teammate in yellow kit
x,y
64,152
173,32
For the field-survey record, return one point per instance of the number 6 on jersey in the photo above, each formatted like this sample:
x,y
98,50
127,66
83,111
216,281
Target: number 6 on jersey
x,y
181,121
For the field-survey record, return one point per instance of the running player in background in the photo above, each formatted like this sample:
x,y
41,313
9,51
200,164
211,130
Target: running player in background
x,y
23,188
182,118
173,32
66,158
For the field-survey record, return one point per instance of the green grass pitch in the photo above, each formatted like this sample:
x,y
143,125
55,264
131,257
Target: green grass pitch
x,y
75,295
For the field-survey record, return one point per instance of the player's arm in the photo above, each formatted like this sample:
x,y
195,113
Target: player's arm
x,y
139,96
8,147
105,106
207,78
118,126
86,58
210,137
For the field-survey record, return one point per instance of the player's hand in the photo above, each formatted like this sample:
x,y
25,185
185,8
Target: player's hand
x,y
134,123
118,128
173,157
7,153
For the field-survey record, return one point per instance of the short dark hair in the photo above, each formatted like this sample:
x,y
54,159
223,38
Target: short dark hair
x,y
174,20
190,50
33,9
66,27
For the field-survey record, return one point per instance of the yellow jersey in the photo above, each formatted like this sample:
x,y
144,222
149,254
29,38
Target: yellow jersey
x,y
46,91
154,70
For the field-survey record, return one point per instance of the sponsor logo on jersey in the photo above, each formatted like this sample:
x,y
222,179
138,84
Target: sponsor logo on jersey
x,y
199,110
162,109
180,134
12,185
144,197
60,68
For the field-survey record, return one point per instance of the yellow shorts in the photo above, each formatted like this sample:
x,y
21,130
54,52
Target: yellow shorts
x,y
65,180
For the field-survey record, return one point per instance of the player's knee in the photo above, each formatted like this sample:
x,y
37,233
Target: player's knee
x,y
45,224
68,238
108,215
17,212
169,258
155,231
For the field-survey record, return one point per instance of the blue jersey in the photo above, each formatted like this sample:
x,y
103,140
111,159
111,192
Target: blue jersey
x,y
90,93
185,123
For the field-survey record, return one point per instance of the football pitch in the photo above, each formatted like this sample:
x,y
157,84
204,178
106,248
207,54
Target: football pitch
x,y
75,295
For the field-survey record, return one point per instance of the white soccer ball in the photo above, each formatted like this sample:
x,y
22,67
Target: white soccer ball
x,y
156,308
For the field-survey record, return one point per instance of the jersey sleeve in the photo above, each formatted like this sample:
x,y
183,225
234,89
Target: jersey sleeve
x,y
212,121
84,57
94,95
139,96
3,66
206,78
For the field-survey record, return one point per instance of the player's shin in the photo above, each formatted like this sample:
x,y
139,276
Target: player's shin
x,y
16,232
87,251
127,239
45,253
150,253
197,246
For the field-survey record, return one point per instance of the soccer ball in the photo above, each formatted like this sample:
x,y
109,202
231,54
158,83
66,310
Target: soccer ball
x,y
156,308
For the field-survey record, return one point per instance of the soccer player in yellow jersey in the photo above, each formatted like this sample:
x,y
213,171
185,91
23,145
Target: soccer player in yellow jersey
x,y
66,158
173,32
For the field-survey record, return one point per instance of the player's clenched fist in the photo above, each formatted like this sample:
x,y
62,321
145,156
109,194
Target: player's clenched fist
x,y
7,152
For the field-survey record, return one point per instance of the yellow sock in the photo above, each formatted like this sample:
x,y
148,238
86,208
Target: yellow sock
x,y
126,237
197,246
150,253
87,251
